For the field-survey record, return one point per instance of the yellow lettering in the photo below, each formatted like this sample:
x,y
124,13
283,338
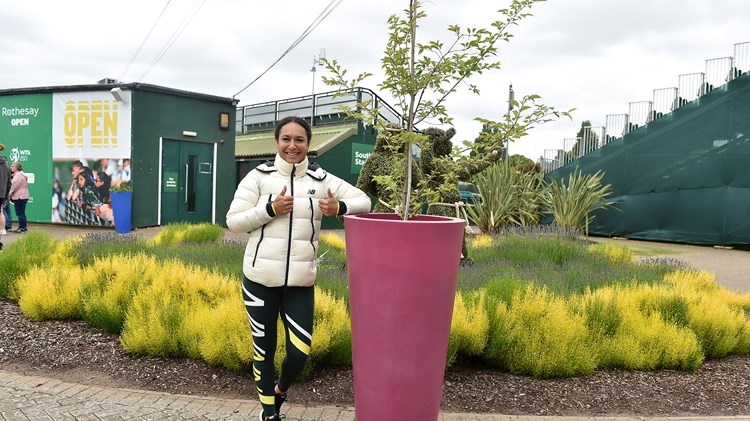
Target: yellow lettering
x,y
69,119
96,123
93,121
110,125
69,124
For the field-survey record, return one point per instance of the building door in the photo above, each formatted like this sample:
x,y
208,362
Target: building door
x,y
187,188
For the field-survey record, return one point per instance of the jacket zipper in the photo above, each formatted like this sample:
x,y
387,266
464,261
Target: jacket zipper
x,y
289,238
262,231
312,227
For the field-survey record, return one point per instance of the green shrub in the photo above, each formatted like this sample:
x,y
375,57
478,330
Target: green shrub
x,y
184,232
224,256
108,286
526,251
154,319
49,294
718,317
602,313
94,246
504,289
332,332
544,338
500,339
627,325
219,334
721,330
33,249
469,326
618,253
332,276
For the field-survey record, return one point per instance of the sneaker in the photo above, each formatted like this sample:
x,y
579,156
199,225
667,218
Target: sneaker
x,y
274,417
3,231
20,230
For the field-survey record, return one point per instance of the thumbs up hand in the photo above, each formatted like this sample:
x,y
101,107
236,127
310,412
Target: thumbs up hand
x,y
329,205
282,205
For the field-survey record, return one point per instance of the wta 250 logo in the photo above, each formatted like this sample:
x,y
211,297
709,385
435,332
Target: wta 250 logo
x,y
19,155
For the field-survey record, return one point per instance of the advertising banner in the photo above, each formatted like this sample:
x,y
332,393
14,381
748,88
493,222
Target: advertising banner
x,y
91,124
73,147
90,154
26,134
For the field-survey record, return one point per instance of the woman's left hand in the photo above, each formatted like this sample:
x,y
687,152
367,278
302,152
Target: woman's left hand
x,y
329,205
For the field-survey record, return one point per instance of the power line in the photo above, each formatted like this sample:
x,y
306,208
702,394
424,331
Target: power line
x,y
184,24
124,72
324,14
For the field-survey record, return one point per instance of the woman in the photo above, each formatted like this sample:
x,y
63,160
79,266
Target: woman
x,y
281,204
103,182
19,195
89,200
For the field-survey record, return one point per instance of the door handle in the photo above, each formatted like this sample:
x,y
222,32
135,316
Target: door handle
x,y
186,183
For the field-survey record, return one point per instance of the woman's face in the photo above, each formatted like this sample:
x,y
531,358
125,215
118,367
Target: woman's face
x,y
81,180
292,143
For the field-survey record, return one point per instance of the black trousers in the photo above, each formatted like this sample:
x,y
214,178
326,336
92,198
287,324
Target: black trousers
x,y
264,305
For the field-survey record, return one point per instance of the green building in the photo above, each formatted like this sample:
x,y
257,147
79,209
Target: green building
x,y
174,148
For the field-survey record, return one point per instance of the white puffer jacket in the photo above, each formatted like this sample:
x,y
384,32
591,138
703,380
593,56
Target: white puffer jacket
x,y
282,249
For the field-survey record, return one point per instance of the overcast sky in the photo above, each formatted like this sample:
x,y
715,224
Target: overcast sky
x,y
592,55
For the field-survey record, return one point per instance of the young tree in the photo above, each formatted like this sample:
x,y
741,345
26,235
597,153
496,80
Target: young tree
x,y
421,76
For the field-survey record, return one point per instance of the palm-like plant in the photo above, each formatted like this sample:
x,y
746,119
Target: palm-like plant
x,y
508,198
571,203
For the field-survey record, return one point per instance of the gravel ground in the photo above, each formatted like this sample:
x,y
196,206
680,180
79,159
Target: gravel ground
x,y
76,352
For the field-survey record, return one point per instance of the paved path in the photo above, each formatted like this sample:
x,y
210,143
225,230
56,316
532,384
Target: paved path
x,y
37,398
731,267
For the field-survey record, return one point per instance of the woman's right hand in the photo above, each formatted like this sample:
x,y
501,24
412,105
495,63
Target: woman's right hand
x,y
282,205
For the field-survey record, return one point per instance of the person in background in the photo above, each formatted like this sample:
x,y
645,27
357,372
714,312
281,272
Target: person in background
x,y
280,204
76,168
7,217
88,197
102,181
125,171
5,185
19,195
57,201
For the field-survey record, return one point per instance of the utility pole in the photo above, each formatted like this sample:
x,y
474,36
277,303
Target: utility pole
x,y
317,61
507,142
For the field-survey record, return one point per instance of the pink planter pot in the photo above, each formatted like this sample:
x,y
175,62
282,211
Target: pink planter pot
x,y
402,283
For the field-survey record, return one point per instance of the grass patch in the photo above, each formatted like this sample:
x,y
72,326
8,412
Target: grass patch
x,y
641,250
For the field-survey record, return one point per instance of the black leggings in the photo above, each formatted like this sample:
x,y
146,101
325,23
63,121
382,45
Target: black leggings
x,y
263,304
